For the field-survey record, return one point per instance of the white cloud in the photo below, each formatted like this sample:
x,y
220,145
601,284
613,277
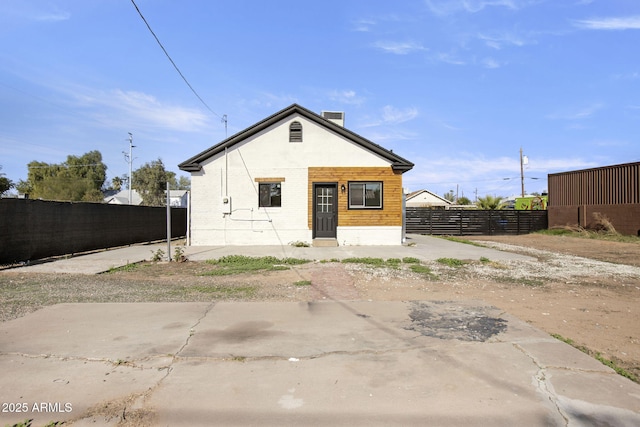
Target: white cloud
x,y
498,41
447,7
398,48
118,108
491,63
363,25
53,17
576,114
349,97
449,58
623,23
487,175
391,114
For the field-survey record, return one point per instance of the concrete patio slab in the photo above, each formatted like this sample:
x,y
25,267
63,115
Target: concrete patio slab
x,y
321,363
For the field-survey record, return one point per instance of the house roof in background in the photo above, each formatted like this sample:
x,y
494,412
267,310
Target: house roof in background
x,y
414,194
397,163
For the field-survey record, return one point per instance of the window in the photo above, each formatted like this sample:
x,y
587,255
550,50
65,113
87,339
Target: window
x,y
295,132
365,195
270,195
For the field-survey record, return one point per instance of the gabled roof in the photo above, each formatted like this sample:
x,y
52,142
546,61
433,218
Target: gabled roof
x,y
397,163
414,194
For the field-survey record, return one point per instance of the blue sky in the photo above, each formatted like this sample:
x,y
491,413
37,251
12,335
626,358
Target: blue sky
x,y
455,86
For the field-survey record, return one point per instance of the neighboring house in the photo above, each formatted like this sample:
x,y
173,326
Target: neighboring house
x,y
426,199
296,176
121,197
610,191
177,198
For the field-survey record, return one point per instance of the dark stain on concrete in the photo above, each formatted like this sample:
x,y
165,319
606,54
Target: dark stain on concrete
x,y
243,331
449,320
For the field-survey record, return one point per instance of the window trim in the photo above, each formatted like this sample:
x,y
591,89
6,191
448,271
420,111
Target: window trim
x,y
270,184
364,206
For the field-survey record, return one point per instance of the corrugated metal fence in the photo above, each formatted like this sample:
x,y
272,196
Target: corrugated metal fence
x,y
473,222
36,229
611,191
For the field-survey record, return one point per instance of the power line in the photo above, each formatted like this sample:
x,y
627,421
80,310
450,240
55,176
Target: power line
x,y
224,118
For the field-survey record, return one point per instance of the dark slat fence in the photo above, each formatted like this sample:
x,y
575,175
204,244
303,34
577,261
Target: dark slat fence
x,y
473,222
36,229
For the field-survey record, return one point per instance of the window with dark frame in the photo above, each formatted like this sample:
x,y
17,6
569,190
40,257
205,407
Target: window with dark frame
x,y
270,195
365,195
295,132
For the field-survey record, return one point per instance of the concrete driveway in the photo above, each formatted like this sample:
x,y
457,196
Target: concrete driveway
x,y
348,363
418,246
314,363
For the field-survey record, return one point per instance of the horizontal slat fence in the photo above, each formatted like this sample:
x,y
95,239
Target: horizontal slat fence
x,y
36,229
473,222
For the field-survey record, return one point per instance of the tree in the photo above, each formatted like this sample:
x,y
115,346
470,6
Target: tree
x,y
449,196
5,183
118,182
76,179
489,202
184,183
464,201
151,182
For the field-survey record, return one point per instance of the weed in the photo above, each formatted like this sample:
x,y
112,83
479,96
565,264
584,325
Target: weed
x,y
302,283
410,260
157,255
126,268
236,264
299,244
394,262
239,359
451,262
485,260
598,356
376,262
178,254
423,269
582,233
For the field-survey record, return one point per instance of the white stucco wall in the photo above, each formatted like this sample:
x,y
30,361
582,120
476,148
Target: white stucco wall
x,y
271,155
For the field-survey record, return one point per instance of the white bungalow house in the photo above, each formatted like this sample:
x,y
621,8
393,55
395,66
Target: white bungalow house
x,y
426,199
296,176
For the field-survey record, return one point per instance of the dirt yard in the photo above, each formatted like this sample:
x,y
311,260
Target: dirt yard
x,y
584,290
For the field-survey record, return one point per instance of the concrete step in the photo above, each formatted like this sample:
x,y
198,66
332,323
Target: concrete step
x,y
324,242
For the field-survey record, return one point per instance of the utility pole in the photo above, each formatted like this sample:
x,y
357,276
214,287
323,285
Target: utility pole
x,y
129,159
521,172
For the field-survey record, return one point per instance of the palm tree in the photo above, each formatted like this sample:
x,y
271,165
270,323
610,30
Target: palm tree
x,y
489,202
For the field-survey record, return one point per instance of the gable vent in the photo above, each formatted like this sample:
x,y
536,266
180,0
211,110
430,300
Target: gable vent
x,y
336,117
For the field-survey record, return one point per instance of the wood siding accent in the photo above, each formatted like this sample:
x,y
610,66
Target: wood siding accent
x,y
277,179
389,215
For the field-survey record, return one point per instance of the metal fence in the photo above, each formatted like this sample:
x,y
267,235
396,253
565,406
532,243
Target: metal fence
x,y
473,222
36,229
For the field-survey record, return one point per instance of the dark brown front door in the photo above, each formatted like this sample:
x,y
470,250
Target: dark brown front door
x,y
325,212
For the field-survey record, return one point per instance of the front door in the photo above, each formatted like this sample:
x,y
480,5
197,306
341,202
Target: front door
x,y
325,212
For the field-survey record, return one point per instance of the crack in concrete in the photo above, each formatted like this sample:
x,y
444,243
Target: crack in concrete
x,y
139,399
240,358
544,386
